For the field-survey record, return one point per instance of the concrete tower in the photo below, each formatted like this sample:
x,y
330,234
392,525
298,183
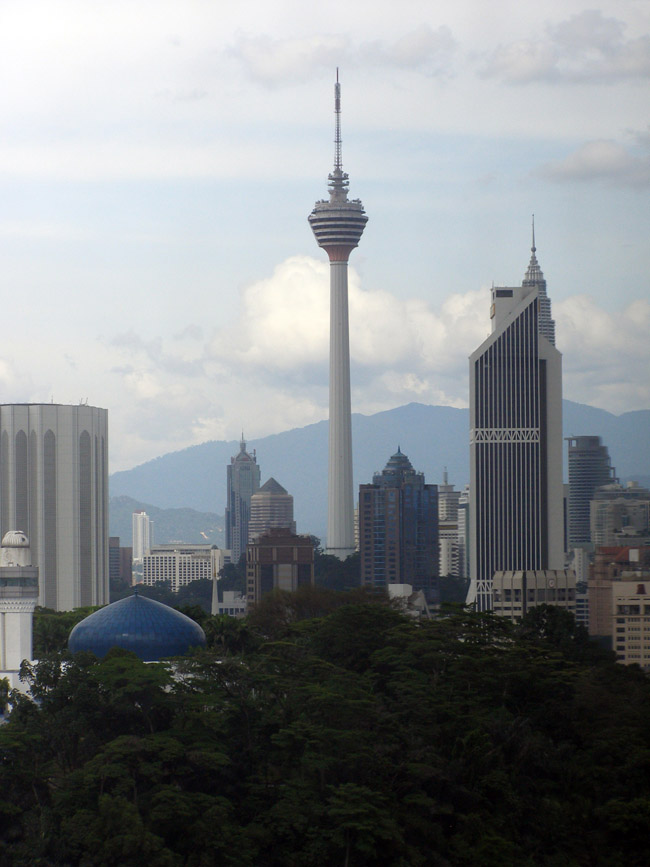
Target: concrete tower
x,y
516,508
338,224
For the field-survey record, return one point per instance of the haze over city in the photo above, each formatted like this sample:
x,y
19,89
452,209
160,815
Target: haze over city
x,y
159,162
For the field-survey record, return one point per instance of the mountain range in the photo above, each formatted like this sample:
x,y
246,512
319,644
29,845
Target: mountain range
x,y
433,437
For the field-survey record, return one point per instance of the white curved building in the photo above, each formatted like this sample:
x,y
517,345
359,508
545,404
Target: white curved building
x,y
54,488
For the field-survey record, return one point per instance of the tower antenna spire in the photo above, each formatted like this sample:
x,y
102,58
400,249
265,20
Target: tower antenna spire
x,y
338,166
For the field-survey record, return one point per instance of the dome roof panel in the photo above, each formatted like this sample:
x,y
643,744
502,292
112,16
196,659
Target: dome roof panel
x,y
148,628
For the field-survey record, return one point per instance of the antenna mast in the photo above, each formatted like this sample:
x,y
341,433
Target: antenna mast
x,y
337,114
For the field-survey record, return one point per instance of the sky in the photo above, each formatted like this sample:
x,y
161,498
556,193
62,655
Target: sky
x,y
158,161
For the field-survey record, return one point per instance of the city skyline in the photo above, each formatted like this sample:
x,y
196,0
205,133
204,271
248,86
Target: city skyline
x,y
154,186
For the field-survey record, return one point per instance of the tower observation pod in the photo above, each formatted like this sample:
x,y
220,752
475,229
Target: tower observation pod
x,y
338,223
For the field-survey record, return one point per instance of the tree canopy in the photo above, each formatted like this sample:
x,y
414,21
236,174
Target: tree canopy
x,y
334,734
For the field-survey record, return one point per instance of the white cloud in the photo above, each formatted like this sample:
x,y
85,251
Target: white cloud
x,y
606,355
277,61
267,371
587,47
602,160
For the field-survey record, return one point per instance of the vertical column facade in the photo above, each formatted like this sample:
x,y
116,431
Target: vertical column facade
x,y
54,487
516,507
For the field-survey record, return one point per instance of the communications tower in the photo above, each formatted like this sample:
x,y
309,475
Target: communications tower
x,y
338,224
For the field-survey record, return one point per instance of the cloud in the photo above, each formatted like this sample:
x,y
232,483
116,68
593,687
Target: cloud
x,y
606,354
267,370
275,61
602,160
588,47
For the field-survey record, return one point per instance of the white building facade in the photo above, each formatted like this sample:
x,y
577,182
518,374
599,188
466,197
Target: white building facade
x,y
54,488
181,564
143,541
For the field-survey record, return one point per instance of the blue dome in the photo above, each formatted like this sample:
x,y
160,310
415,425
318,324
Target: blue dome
x,y
149,629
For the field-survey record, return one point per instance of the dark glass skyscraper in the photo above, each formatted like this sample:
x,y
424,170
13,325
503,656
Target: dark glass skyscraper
x,y
516,510
243,480
398,528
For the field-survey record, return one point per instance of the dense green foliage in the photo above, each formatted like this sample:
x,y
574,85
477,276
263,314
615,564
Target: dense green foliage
x,y
355,737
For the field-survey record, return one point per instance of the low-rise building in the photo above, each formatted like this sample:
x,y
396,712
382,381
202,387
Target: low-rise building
x,y
181,564
515,593
631,621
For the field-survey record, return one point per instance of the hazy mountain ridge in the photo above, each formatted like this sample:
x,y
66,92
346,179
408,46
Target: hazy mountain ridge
x,y
433,437
170,525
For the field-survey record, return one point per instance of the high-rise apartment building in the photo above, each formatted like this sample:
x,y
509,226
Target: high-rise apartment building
x,y
516,508
338,224
242,480
271,506
54,488
448,503
589,468
142,527
398,528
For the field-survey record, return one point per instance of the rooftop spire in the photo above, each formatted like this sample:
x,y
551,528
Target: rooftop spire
x,y
534,273
533,248
535,278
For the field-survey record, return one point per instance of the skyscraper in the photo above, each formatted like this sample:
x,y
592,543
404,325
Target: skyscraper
x,y
589,468
448,502
142,528
516,506
243,480
54,488
398,528
338,224
271,506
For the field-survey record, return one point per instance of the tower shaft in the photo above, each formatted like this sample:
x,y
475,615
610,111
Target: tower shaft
x,y
340,507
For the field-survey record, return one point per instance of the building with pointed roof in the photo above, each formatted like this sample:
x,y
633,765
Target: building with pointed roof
x,y
516,507
338,224
271,506
398,528
242,480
